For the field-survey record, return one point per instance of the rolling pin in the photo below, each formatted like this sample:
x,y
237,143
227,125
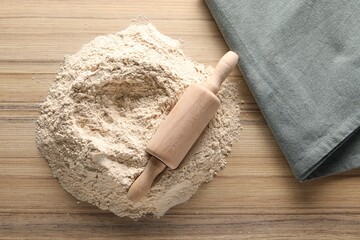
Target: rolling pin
x,y
182,127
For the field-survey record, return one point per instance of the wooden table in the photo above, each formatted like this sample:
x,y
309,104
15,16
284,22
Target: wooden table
x,y
256,196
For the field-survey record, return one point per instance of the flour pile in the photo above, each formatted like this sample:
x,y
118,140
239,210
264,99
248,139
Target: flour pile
x,y
104,106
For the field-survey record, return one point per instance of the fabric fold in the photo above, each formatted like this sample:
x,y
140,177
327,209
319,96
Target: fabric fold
x,y
301,60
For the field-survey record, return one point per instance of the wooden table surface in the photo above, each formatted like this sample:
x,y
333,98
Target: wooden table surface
x,y
255,197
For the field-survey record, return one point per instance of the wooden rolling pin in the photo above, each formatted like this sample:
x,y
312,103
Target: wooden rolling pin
x,y
182,127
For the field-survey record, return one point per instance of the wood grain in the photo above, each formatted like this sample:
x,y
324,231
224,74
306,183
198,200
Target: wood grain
x,y
255,197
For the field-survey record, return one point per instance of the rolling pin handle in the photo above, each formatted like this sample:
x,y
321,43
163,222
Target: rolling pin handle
x,y
143,183
222,70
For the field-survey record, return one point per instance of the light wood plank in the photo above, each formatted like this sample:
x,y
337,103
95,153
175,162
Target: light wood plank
x,y
109,9
107,226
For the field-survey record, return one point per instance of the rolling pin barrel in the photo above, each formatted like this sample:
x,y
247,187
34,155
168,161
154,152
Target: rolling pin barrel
x,y
182,127
184,124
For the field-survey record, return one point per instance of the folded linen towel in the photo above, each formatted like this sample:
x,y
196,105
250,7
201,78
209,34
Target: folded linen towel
x,y
301,60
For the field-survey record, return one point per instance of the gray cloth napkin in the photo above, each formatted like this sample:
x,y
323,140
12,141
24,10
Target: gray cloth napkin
x,y
301,60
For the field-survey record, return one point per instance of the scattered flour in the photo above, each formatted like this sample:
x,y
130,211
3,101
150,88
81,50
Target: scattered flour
x,y
104,106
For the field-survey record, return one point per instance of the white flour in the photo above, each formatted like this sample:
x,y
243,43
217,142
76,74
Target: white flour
x,y
104,106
